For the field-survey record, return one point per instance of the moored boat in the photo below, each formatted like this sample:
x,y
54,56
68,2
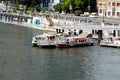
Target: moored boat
x,y
61,40
47,45
44,40
35,40
110,42
75,41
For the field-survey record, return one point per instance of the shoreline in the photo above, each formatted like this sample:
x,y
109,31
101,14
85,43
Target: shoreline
x,y
25,24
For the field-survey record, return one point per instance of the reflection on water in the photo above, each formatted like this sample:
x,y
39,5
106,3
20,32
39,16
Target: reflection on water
x,y
20,61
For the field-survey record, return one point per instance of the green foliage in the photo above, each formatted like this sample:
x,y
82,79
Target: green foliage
x,y
16,7
31,9
77,5
29,3
62,6
65,5
57,7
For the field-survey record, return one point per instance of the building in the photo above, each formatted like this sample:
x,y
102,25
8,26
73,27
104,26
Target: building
x,y
109,8
45,3
6,5
54,2
49,3
2,6
8,1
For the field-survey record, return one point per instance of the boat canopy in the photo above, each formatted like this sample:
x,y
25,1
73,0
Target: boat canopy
x,y
83,35
45,35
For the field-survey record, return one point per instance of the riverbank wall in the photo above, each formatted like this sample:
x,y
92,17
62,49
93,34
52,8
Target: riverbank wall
x,y
26,24
45,23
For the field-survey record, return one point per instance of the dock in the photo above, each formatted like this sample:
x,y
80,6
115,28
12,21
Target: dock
x,y
60,25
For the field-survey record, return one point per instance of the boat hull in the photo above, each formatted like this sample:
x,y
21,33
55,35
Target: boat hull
x,y
34,45
83,44
64,46
74,45
47,46
110,45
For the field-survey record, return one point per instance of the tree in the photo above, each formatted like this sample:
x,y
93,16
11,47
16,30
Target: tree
x,y
78,5
65,5
33,4
58,7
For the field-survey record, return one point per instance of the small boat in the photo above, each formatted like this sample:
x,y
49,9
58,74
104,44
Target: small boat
x,y
35,40
110,42
44,40
75,41
47,45
61,40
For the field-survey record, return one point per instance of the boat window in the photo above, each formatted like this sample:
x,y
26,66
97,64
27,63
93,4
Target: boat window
x,y
76,40
82,40
69,33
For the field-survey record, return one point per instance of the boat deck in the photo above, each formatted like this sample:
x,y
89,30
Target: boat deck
x,y
110,45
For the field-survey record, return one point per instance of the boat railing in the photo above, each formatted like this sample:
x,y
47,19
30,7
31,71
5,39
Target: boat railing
x,y
106,42
117,42
46,42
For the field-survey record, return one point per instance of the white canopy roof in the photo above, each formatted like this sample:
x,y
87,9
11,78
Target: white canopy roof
x,y
44,35
83,35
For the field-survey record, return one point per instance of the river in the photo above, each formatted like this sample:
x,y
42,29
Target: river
x,y
20,61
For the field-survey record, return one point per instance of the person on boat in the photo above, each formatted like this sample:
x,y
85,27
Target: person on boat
x,y
80,31
111,39
75,32
62,30
70,33
67,41
57,31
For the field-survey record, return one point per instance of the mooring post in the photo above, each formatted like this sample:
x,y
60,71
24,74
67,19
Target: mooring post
x,y
18,20
93,32
11,19
0,17
100,35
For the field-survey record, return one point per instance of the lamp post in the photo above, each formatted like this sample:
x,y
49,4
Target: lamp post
x,y
103,16
24,9
20,8
48,9
104,12
41,7
88,9
70,7
59,14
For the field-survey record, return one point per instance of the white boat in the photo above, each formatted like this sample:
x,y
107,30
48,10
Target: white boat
x,y
75,41
110,42
44,40
61,40
35,40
